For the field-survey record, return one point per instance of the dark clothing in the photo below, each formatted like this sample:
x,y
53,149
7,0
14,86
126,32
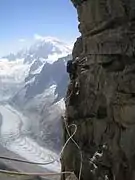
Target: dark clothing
x,y
69,66
72,68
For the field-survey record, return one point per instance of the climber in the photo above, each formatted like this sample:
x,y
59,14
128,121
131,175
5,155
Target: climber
x,y
72,68
69,66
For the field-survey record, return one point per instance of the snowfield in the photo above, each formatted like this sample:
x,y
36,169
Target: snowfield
x,y
15,71
32,82
14,140
45,50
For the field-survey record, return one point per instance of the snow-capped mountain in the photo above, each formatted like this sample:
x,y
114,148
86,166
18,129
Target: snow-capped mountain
x,y
28,63
47,49
34,81
42,100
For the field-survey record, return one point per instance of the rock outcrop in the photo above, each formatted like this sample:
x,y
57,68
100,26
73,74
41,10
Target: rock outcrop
x,y
101,98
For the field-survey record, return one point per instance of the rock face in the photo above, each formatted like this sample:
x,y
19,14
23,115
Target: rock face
x,y
101,98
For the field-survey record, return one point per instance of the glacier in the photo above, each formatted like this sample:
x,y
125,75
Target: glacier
x,y
13,138
21,115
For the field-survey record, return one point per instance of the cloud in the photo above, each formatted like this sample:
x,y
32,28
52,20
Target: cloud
x,y
22,40
38,37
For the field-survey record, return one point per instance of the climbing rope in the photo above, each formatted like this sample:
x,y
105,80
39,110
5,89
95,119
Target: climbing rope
x,y
46,163
71,137
33,174
23,161
45,174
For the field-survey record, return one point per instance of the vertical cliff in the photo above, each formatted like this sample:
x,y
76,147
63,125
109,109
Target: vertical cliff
x,y
101,97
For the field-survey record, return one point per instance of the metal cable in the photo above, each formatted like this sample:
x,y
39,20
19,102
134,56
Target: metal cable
x,y
71,137
23,161
33,174
46,163
42,174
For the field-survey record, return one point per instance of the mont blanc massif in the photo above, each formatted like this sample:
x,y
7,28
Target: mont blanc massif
x,y
33,85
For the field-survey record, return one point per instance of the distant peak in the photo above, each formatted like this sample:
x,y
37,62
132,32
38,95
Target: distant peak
x,y
45,38
48,48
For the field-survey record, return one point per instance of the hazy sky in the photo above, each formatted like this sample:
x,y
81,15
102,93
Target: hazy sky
x,y
20,20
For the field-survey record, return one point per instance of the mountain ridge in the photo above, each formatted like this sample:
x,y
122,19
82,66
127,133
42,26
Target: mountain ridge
x,y
19,70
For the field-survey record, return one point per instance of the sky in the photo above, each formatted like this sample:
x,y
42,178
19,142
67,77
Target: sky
x,y
21,20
